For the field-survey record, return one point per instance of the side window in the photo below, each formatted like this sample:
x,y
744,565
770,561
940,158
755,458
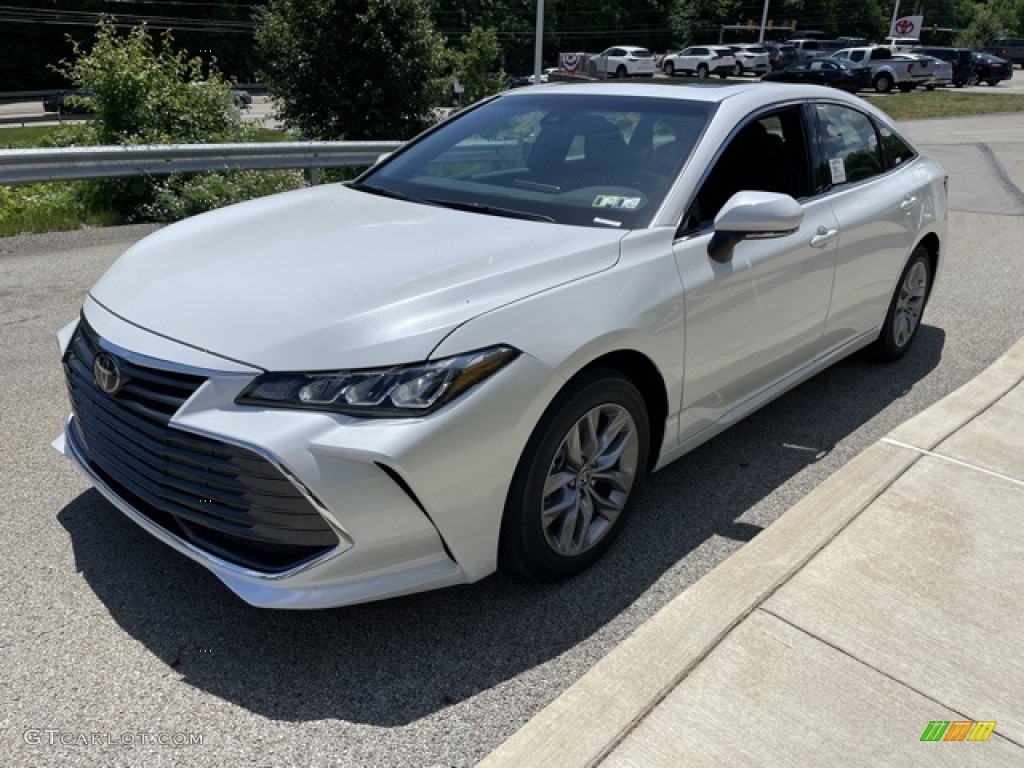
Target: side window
x,y
850,150
897,151
768,154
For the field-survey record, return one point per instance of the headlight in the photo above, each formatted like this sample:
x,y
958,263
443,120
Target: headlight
x,y
404,390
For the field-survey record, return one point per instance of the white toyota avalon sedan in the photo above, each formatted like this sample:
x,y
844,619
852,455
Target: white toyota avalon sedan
x,y
472,356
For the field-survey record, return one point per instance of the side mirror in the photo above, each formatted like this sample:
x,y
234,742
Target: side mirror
x,y
753,215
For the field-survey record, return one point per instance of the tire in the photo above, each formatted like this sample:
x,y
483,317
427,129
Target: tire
x,y
620,72
993,83
738,70
702,71
906,308
670,69
592,69
602,404
883,83
959,83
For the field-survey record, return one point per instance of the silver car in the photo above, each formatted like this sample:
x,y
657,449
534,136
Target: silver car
x,y
475,354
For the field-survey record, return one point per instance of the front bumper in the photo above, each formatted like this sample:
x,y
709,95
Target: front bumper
x,y
414,504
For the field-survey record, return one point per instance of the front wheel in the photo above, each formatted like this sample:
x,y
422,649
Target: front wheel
x,y
993,83
738,70
620,72
670,69
906,308
702,71
579,472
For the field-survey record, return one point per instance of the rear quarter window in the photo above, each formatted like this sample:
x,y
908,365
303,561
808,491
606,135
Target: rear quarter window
x,y
897,151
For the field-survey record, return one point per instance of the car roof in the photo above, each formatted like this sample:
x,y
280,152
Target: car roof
x,y
753,92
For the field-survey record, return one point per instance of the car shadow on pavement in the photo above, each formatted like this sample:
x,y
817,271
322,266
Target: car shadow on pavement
x,y
393,662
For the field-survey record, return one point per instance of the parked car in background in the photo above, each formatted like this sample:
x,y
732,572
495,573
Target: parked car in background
x,y
622,61
837,73
812,48
69,102
243,100
780,55
990,69
901,44
961,60
700,60
941,71
886,71
1009,48
467,359
750,57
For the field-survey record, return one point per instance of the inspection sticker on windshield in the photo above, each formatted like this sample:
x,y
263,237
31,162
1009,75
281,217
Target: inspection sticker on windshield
x,y
616,201
838,170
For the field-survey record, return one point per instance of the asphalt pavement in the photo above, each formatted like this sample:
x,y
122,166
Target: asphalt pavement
x,y
106,632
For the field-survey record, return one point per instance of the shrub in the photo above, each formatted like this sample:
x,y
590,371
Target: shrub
x,y
146,92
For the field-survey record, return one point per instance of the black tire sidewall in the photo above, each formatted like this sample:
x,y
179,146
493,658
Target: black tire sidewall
x,y
523,546
885,346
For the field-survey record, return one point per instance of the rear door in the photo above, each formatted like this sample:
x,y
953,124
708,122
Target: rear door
x,y
867,174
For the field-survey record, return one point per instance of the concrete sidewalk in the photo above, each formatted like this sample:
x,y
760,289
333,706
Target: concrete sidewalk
x,y
890,597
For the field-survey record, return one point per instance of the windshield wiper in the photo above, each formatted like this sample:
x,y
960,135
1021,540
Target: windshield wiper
x,y
385,192
492,210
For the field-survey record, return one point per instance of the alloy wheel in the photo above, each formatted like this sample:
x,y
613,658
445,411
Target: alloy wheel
x,y
589,479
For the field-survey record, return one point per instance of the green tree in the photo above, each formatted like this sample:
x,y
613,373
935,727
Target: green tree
x,y
142,95
993,19
145,92
351,69
474,64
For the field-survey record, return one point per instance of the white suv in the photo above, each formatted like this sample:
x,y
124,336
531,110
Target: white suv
x,y
701,60
622,61
750,57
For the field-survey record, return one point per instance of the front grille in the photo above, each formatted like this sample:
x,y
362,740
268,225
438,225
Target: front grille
x,y
222,498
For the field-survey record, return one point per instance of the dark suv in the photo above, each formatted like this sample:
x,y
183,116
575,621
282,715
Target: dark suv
x,y
780,55
1009,48
960,58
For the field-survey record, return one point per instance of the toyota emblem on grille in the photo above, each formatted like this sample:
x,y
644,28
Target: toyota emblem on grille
x,y
107,374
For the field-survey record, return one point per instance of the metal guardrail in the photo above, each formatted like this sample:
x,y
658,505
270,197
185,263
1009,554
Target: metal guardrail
x,y
23,166
49,117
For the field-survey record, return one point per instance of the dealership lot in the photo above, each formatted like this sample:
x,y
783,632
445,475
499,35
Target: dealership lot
x,y
108,632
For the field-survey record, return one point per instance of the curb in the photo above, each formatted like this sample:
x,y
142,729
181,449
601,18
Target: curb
x,y
585,723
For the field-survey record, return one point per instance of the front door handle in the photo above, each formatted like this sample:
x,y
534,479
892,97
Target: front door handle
x,y
908,204
824,237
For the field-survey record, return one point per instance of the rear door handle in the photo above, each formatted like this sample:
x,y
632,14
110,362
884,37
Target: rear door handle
x,y
824,237
908,204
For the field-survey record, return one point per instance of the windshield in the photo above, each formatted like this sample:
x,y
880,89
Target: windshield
x,y
571,158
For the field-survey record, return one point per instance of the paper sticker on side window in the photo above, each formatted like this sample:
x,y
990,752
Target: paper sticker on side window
x,y
838,168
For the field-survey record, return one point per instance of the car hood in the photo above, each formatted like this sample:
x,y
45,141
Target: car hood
x,y
329,277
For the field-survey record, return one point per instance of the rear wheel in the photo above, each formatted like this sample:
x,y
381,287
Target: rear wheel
x,y
883,83
993,83
906,308
738,70
670,68
580,470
